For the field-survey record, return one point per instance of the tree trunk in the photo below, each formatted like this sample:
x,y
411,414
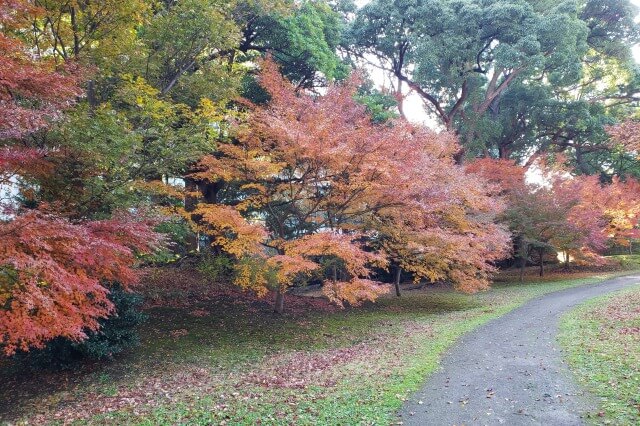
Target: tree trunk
x,y
582,165
400,100
190,203
279,305
76,36
523,263
566,260
396,281
541,255
91,95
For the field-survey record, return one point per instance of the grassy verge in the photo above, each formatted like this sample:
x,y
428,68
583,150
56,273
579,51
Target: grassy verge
x,y
215,364
602,342
627,261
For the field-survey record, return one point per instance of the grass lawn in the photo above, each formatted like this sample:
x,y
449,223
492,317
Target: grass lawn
x,y
602,342
214,362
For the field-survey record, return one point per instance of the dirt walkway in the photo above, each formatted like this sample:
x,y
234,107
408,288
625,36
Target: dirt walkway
x,y
510,371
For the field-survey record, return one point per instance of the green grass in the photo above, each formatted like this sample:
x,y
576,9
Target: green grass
x,y
240,366
602,342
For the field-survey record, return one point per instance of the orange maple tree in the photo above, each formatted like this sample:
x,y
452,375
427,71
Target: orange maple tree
x,y
315,173
505,175
616,204
576,215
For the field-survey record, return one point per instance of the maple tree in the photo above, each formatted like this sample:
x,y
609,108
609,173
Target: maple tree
x,y
616,205
550,220
32,91
451,237
537,216
316,172
52,271
576,215
505,175
626,134
598,213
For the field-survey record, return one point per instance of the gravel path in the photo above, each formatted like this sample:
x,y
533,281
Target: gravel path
x,y
510,371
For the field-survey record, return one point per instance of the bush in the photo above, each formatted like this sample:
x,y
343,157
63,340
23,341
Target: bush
x,y
117,333
628,261
216,267
178,236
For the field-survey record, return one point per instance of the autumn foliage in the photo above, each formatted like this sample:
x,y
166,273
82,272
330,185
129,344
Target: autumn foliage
x,y
32,90
576,215
53,275
53,272
627,135
505,176
319,177
312,182
616,207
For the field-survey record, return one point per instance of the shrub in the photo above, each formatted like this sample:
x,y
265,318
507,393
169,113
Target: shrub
x,y
178,238
117,333
216,267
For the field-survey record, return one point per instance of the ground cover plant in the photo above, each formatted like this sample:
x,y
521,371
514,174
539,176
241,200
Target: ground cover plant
x,y
601,339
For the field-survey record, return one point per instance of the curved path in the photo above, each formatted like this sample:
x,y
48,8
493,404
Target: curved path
x,y
510,370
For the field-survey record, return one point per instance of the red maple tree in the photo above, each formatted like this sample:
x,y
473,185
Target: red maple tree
x,y
33,90
53,273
